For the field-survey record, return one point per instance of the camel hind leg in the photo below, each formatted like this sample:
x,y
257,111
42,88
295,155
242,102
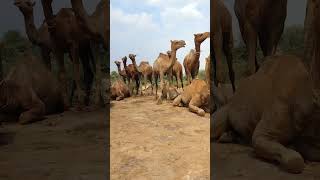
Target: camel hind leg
x,y
274,130
227,47
194,105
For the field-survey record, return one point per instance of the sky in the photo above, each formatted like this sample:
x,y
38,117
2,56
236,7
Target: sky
x,y
145,28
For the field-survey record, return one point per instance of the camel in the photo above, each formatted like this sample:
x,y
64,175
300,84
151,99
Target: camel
x,y
207,70
119,90
147,72
256,23
97,27
41,37
122,72
196,97
29,91
176,72
222,41
135,72
191,61
66,35
164,64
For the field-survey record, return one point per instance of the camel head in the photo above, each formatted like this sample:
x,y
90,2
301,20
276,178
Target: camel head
x,y
124,60
118,63
200,37
177,44
132,57
25,6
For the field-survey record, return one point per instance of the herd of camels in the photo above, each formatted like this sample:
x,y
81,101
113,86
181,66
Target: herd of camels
x,y
276,109
30,90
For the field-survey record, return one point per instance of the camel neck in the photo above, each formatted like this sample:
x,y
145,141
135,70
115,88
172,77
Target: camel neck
x,y
197,48
173,57
31,29
119,69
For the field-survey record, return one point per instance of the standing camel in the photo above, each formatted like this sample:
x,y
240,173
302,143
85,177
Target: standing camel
x,y
41,37
163,64
263,19
222,42
66,35
122,72
135,72
96,26
191,62
176,72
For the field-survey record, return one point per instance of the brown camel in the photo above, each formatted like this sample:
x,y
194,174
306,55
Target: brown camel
x,y
164,64
119,90
29,91
176,72
136,72
67,35
147,72
207,70
263,20
222,41
191,62
41,37
121,72
132,74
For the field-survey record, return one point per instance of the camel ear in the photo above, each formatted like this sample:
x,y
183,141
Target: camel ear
x,y
195,35
171,41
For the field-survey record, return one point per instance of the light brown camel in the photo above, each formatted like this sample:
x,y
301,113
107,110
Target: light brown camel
x,y
119,90
29,91
263,20
281,118
147,72
207,70
164,64
66,35
191,62
222,41
121,72
196,96
176,72
41,37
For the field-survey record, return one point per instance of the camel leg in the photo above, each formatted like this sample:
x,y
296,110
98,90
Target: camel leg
x,y
45,54
150,79
219,123
251,42
59,56
76,74
96,49
35,108
177,101
194,105
156,84
159,101
218,54
274,130
228,51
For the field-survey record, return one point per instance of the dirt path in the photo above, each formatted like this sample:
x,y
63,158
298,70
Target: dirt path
x,y
155,142
69,146
236,162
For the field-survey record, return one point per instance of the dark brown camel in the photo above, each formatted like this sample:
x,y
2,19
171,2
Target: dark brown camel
x,y
121,72
263,20
222,42
135,72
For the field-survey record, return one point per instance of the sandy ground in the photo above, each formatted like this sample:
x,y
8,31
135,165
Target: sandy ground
x,y
69,146
237,162
158,142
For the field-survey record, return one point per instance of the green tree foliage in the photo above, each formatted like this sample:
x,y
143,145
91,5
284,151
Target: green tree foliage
x,y
292,40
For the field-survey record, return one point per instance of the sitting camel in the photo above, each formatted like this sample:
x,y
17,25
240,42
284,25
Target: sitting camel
x,y
147,72
29,91
121,72
191,62
196,96
261,19
119,90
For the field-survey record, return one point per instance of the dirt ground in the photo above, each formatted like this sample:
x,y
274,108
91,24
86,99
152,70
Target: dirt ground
x,y
157,142
237,162
68,146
